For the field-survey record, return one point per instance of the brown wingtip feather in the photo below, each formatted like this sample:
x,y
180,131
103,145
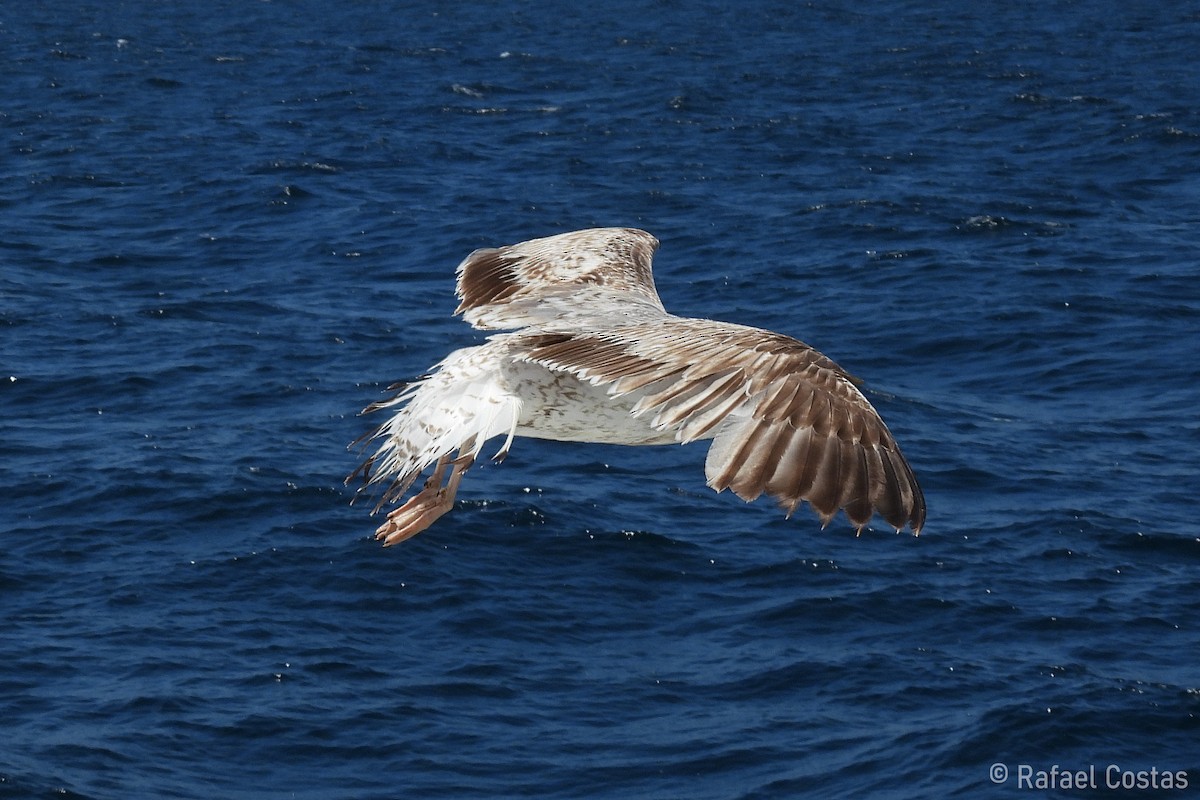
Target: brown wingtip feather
x,y
827,471
486,276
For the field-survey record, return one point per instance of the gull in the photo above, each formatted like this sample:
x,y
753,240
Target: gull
x,y
591,355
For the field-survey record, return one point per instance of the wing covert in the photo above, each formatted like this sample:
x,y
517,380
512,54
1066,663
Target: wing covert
x,y
560,281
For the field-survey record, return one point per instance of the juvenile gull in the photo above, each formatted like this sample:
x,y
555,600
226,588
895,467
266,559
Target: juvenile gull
x,y
594,357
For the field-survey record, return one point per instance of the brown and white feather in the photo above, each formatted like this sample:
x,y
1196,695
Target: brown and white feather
x,y
572,279
786,420
596,357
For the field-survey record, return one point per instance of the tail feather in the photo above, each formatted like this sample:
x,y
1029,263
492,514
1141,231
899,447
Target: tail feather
x,y
459,406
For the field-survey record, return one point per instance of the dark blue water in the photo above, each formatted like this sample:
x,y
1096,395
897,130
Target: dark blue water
x,y
226,227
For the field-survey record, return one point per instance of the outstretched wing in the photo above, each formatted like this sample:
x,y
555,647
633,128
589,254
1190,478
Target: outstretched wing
x,y
785,419
560,282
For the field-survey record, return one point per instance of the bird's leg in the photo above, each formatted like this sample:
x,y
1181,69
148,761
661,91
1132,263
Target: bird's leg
x,y
427,505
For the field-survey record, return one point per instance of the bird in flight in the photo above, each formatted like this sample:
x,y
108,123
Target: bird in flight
x,y
592,356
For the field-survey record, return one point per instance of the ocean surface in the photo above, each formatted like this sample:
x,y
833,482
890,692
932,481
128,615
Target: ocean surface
x,y
226,227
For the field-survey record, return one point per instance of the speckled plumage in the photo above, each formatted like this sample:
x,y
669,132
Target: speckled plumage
x,y
595,357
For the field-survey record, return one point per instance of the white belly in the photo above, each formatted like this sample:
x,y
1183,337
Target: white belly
x,y
559,406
